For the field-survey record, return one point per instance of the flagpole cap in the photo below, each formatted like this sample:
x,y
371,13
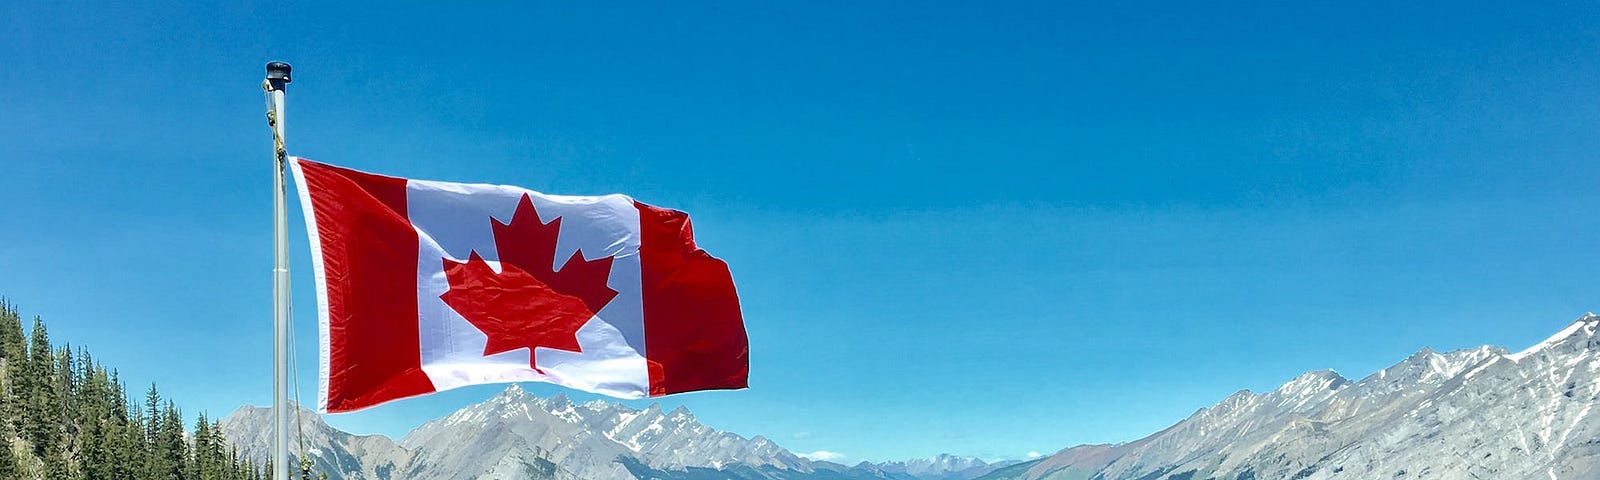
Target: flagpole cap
x,y
278,75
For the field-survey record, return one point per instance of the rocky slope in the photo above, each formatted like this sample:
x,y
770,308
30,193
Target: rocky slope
x,y
1476,413
518,435
342,455
584,439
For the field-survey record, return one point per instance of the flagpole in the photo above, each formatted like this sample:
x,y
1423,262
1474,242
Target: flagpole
x,y
277,83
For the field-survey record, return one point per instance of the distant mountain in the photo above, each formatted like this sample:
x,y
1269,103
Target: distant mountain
x,y
518,435
1476,413
342,455
943,467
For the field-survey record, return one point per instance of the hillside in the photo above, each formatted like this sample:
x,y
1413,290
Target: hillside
x,y
65,416
1473,413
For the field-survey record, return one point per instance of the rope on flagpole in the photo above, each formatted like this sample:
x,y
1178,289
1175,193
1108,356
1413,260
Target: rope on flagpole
x,y
278,149
294,381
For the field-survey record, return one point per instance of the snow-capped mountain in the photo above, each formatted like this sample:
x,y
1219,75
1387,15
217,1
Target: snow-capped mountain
x,y
584,439
1476,413
943,467
518,435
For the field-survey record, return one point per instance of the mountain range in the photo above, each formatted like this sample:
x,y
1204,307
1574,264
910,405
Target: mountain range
x,y
1473,413
1479,413
518,435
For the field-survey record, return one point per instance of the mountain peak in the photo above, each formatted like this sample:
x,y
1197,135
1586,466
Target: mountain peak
x,y
1316,380
1313,384
1581,333
943,465
245,412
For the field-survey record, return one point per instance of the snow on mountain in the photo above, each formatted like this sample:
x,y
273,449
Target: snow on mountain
x,y
511,430
943,467
1475,413
516,433
583,439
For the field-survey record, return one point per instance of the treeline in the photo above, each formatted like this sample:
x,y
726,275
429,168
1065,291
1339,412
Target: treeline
x,y
64,416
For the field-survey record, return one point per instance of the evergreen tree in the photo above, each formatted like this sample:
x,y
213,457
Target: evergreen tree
x,y
155,467
96,420
13,355
72,418
210,458
200,459
122,450
55,467
40,412
13,346
8,462
173,448
134,450
64,411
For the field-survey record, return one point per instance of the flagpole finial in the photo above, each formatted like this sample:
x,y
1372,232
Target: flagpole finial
x,y
278,75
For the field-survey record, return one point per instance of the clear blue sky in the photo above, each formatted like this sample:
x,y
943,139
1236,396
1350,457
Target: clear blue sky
x,y
983,230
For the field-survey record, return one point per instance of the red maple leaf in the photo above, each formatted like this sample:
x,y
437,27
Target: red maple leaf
x,y
526,304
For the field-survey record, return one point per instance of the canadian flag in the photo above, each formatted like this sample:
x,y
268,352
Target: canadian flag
x,y
425,286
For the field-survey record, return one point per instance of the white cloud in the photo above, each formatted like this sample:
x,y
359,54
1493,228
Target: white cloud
x,y
1034,455
802,435
823,455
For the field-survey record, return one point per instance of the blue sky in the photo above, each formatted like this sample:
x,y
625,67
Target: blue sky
x,y
975,229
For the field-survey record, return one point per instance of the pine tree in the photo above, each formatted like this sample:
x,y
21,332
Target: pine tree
x,y
67,430
13,346
13,355
73,417
96,420
8,462
210,458
134,450
154,458
237,467
40,412
201,458
173,448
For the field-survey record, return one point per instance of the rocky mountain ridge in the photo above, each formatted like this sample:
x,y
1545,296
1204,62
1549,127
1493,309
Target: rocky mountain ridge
x,y
943,467
517,435
1473,413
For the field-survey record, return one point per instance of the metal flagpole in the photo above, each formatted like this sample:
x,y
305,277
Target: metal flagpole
x,y
276,83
